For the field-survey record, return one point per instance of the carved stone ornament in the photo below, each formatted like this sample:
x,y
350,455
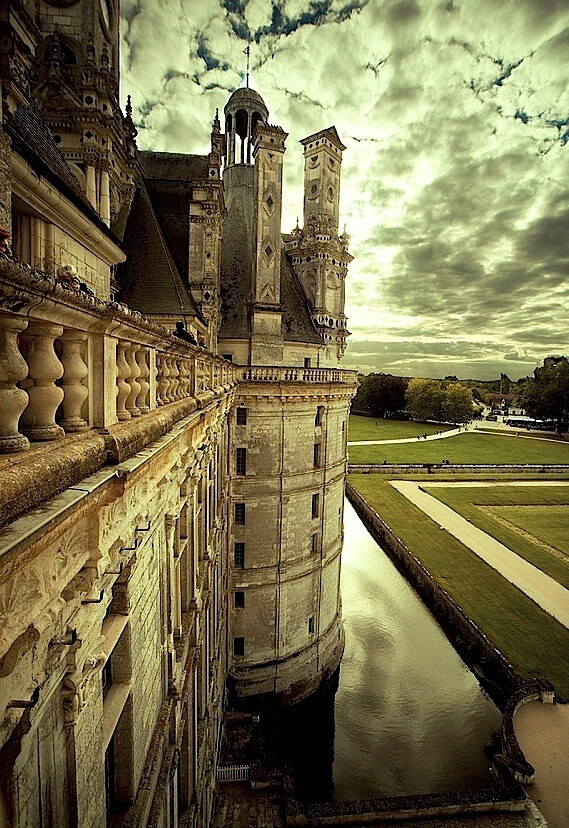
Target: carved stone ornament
x,y
75,686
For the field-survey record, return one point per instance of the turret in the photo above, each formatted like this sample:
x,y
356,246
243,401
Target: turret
x,y
319,256
243,111
322,166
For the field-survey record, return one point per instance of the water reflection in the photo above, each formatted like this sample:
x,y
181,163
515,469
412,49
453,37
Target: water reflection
x,y
408,716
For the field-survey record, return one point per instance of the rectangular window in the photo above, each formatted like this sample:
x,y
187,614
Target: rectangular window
x,y
319,415
239,554
316,455
240,514
311,625
343,425
228,357
307,362
239,646
239,599
241,461
314,542
315,505
241,416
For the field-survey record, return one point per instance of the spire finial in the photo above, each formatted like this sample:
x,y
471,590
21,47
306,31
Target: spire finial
x,y
247,52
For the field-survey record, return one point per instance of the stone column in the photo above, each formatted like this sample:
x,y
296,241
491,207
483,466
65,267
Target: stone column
x,y
74,372
105,198
91,186
102,380
38,420
13,368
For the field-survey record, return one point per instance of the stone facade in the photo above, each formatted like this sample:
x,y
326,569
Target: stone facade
x,y
170,519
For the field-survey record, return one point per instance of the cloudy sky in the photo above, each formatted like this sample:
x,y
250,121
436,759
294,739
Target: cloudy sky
x,y
455,186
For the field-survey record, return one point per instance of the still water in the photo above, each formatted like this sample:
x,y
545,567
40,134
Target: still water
x,y
408,716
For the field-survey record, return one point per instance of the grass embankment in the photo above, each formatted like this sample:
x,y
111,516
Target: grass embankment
x,y
532,522
467,447
532,640
368,428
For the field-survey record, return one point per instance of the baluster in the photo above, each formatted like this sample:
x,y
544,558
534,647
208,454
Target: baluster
x,y
167,379
142,399
132,380
193,377
174,379
183,381
13,368
160,378
74,372
38,420
123,388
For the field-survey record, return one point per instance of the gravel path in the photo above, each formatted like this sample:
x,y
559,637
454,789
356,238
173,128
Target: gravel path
x,y
545,591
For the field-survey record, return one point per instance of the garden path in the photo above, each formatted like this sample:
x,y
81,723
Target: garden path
x,y
545,591
483,428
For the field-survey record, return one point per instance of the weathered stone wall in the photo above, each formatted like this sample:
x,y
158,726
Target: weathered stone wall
x,y
114,557
286,589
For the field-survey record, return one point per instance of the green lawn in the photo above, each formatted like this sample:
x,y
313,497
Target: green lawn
x,y
467,447
368,428
542,513
530,638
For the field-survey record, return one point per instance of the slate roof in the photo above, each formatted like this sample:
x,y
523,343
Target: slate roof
x,y
235,282
174,166
150,279
297,324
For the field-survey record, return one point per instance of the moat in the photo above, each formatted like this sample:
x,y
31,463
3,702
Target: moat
x,y
407,716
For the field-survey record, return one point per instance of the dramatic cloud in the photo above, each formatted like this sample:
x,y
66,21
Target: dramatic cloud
x,y
455,188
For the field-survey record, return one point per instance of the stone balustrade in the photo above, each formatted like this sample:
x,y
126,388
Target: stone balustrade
x,y
283,373
70,362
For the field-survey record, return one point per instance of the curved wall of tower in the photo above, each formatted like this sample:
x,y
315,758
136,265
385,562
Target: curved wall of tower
x,y
288,459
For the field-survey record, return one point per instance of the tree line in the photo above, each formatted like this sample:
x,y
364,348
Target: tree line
x,y
545,395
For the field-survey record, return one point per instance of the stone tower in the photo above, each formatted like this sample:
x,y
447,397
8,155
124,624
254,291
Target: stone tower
x,y
288,430
320,255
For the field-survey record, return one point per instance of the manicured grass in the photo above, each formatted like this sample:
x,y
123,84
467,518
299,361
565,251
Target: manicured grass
x,y
541,512
368,428
467,447
550,524
531,639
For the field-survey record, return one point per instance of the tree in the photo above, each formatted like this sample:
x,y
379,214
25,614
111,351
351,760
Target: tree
x,y
457,405
425,399
546,394
380,394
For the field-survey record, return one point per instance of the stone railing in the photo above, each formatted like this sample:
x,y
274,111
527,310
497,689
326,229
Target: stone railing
x,y
267,373
70,362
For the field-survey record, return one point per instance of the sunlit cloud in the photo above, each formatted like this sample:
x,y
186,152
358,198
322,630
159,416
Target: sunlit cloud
x,y
455,115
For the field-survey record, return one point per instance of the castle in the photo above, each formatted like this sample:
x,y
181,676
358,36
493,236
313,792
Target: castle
x,y
173,428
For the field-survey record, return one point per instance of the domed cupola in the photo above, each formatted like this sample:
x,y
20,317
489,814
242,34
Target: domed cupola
x,y
244,109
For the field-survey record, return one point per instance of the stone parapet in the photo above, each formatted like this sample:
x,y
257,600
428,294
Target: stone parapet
x,y
271,373
72,362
